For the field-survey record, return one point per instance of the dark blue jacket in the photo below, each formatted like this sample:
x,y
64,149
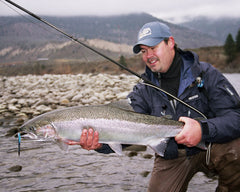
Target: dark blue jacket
x,y
216,98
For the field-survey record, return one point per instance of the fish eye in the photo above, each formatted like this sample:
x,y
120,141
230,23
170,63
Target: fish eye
x,y
32,128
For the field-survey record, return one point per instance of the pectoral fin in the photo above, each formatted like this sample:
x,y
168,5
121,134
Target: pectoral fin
x,y
159,145
116,147
62,144
202,145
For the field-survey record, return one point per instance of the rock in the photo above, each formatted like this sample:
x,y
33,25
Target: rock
x,y
12,108
147,156
109,97
70,95
15,168
77,97
132,154
64,101
136,148
3,108
13,101
28,111
122,95
145,173
21,117
22,102
43,108
33,95
8,114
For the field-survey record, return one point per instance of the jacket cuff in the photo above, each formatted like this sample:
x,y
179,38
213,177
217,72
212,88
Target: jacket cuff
x,y
205,129
105,149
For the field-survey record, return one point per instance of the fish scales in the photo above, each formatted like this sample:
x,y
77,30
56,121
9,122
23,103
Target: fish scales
x,y
115,125
114,130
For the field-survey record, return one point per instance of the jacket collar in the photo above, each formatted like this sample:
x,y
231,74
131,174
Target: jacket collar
x,y
189,70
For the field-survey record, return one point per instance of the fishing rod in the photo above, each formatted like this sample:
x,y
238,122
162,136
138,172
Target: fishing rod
x,y
145,80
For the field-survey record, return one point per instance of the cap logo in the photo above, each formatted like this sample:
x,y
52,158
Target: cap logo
x,y
145,32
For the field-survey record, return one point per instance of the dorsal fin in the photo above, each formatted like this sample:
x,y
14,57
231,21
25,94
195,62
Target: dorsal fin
x,y
122,104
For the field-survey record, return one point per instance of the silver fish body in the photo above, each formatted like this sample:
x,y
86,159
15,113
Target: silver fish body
x,y
115,125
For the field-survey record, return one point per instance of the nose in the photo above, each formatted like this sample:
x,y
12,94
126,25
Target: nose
x,y
149,53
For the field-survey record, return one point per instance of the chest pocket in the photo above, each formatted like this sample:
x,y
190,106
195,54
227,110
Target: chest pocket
x,y
197,99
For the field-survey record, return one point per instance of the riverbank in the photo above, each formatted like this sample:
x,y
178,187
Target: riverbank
x,y
23,97
44,167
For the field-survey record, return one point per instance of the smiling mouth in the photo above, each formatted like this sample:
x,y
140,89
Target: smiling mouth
x,y
152,60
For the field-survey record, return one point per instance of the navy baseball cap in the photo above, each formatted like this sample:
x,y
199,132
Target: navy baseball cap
x,y
151,34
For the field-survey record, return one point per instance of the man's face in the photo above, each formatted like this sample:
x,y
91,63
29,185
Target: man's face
x,y
159,58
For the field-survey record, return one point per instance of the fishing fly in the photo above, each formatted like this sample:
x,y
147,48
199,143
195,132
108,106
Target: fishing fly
x,y
19,143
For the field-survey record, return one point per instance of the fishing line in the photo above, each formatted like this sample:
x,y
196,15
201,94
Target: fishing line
x,y
189,106
33,22
146,81
30,20
60,35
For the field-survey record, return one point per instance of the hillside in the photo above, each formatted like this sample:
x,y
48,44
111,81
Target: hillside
x,y
216,57
28,46
27,32
213,55
218,27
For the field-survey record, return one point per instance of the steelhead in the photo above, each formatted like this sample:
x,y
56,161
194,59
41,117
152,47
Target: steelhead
x,y
116,126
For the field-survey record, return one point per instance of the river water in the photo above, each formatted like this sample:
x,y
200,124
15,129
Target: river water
x,y
45,167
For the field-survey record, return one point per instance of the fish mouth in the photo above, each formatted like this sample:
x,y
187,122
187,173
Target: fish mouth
x,y
29,135
14,132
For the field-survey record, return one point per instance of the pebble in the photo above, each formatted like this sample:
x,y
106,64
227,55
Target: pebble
x,y
145,173
15,168
27,96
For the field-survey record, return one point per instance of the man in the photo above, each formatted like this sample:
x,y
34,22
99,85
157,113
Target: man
x,y
200,85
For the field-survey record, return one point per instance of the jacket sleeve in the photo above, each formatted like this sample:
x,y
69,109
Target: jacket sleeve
x,y
137,100
224,102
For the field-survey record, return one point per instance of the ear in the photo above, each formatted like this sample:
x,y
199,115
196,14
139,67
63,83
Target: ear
x,y
171,42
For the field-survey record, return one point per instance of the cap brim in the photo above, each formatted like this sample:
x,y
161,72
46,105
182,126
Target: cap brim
x,y
148,42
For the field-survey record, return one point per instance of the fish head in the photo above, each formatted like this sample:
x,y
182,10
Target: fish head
x,y
37,130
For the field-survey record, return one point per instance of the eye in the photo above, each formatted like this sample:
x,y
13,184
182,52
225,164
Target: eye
x,y
153,48
143,51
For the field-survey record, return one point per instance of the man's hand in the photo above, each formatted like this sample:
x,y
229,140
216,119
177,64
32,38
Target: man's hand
x,y
88,140
191,133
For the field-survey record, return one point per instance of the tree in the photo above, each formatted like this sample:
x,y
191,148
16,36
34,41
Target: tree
x,y
238,41
122,61
230,48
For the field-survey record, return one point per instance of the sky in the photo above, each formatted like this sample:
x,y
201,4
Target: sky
x,y
174,11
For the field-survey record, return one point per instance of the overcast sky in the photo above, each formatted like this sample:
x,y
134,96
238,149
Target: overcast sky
x,y
170,10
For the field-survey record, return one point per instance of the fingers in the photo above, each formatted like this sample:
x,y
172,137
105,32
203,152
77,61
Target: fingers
x,y
83,138
70,142
180,138
89,139
191,133
96,143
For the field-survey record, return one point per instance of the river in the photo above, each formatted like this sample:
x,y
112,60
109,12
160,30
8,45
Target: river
x,y
43,166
